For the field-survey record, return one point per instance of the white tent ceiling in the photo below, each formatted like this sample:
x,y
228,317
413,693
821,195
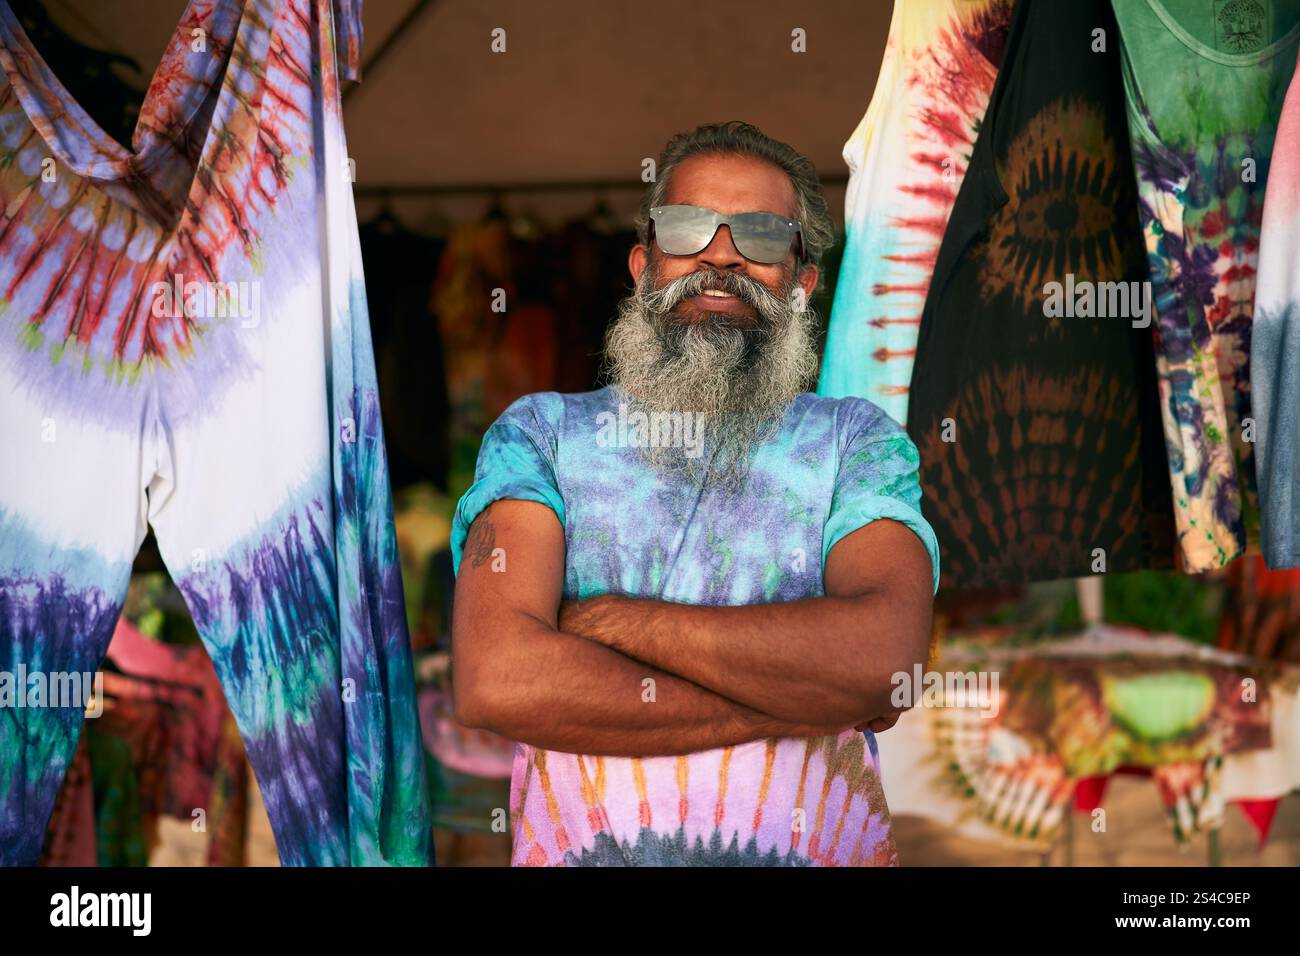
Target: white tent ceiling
x,y
585,90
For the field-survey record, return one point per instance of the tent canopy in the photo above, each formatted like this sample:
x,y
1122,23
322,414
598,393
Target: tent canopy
x,y
585,90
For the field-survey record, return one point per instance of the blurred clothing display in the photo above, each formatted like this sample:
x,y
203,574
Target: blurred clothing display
x,y
167,702
1261,613
472,278
409,363
520,314
70,838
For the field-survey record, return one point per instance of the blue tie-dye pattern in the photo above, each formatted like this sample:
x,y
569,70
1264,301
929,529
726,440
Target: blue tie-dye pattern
x,y
1275,383
833,466
57,614
389,813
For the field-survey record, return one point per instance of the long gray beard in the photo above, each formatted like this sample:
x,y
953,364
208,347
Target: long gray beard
x,y
734,384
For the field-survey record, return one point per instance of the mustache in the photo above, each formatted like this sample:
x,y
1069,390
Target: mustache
x,y
749,291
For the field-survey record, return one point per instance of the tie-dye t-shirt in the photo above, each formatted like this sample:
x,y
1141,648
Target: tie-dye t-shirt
x,y
832,467
1275,347
907,158
1204,85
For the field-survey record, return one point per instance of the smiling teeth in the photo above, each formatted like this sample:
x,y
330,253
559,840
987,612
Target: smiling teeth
x,y
717,293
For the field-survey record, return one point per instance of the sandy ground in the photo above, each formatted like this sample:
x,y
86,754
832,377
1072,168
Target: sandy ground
x,y
1137,834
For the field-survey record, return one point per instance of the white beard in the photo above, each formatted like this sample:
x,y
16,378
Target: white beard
x,y
740,380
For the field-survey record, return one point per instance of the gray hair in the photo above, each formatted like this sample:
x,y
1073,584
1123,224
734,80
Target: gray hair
x,y
742,139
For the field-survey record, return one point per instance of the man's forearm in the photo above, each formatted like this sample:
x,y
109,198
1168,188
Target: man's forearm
x,y
562,692
823,660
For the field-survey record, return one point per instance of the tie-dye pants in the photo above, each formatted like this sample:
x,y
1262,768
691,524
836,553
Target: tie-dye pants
x,y
245,430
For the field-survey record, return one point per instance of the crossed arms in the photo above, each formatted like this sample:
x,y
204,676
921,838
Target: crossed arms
x,y
572,676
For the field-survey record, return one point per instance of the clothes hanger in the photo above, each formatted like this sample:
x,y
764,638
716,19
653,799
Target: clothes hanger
x,y
385,222
496,211
601,218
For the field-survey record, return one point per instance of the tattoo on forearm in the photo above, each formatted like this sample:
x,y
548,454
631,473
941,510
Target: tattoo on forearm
x,y
482,540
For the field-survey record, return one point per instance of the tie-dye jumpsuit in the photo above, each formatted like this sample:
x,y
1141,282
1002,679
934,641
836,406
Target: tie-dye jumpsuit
x,y
184,343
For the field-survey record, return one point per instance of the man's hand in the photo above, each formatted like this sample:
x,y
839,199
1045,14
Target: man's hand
x,y
881,723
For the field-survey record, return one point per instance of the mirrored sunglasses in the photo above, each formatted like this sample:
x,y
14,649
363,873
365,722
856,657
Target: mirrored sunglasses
x,y
760,236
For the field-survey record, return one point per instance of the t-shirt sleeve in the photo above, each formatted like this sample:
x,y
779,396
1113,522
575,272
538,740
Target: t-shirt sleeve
x,y
515,461
878,477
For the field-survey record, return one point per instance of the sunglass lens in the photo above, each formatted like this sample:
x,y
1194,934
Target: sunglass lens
x,y
684,230
762,237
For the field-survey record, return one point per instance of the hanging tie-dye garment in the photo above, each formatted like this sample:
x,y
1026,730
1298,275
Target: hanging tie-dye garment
x,y
184,342
1033,398
906,159
1275,347
832,467
1204,85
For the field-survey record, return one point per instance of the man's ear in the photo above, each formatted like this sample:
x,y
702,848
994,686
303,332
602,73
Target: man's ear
x,y
637,260
808,280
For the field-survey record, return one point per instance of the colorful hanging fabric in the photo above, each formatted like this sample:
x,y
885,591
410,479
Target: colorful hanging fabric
x,y
906,158
70,839
228,805
1275,347
1032,400
119,815
1192,794
184,341
1204,86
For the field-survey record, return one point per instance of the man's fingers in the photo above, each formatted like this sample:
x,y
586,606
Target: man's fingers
x,y
883,723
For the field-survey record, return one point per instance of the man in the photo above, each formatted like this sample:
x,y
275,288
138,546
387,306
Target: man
x,y
685,593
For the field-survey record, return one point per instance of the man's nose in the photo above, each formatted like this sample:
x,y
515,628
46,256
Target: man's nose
x,y
721,252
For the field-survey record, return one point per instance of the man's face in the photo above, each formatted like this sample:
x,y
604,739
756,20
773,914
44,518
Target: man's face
x,y
725,184
737,359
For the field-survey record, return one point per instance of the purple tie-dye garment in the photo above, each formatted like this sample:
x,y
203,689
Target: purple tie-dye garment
x,y
185,344
833,466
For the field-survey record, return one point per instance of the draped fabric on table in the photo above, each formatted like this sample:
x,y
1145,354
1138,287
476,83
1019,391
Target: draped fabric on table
x,y
1075,711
